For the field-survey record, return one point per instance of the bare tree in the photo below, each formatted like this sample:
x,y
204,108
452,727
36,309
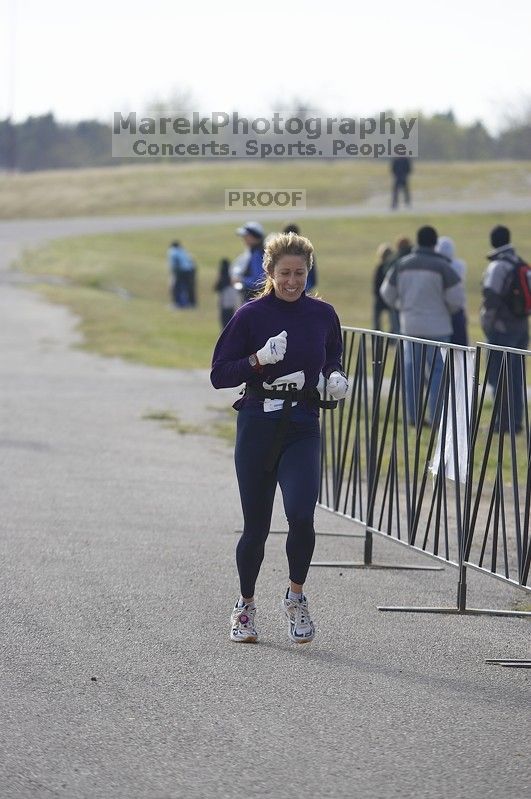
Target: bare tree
x,y
179,103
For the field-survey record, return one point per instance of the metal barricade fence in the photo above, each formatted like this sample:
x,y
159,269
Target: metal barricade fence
x,y
400,456
499,479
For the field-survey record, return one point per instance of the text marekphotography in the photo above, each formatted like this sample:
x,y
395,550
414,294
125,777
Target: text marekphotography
x,y
228,135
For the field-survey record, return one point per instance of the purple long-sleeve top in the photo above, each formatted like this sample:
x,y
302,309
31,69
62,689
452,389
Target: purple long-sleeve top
x,y
314,345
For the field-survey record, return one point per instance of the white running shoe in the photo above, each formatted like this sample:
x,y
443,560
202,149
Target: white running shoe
x,y
301,629
242,627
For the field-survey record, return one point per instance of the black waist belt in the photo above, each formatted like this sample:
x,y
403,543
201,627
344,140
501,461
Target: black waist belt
x,y
308,395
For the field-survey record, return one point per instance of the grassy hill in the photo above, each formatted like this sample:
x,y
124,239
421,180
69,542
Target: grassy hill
x,y
167,188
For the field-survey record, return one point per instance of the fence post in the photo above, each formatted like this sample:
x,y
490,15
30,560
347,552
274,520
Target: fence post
x,y
461,589
376,351
472,432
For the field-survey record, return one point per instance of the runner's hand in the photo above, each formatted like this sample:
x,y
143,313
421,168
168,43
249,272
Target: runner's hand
x,y
273,350
337,385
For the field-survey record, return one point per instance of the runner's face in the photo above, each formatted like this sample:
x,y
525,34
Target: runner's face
x,y
289,277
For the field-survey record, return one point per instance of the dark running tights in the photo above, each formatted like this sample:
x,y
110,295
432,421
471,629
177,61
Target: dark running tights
x,y
297,473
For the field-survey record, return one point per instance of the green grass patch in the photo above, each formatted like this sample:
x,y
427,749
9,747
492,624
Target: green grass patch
x,y
118,284
223,425
523,605
170,421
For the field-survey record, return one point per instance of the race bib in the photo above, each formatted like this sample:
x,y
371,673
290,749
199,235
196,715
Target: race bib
x,y
284,383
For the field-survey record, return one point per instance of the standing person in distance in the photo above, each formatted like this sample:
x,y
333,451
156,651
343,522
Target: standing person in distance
x,y
504,324
183,276
175,273
279,345
401,169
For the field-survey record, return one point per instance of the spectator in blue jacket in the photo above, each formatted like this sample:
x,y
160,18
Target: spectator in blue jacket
x,y
182,272
253,275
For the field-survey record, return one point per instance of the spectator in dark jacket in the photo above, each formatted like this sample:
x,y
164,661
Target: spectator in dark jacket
x,y
228,295
500,325
403,247
384,255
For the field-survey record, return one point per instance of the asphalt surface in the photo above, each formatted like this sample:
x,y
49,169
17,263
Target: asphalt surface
x,y
117,549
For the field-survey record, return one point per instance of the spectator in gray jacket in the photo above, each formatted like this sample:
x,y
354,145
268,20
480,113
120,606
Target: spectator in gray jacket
x,y
427,291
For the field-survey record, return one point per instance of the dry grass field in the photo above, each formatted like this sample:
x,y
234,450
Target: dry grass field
x,y
166,188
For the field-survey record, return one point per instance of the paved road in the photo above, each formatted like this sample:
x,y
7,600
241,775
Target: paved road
x,y
118,679
37,230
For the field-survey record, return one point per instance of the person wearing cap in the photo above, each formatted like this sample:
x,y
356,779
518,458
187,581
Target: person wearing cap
x,y
502,327
252,275
280,345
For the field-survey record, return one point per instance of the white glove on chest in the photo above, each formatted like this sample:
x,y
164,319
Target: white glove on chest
x,y
337,385
273,350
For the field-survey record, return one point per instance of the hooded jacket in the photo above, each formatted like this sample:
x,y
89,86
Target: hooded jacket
x,y
445,246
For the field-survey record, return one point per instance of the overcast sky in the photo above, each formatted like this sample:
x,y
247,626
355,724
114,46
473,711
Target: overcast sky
x,y
87,60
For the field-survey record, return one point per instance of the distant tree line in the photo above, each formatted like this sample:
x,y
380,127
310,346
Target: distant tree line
x,y
41,142
442,138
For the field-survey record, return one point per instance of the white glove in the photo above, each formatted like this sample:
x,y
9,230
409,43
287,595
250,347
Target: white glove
x,y
273,350
337,385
